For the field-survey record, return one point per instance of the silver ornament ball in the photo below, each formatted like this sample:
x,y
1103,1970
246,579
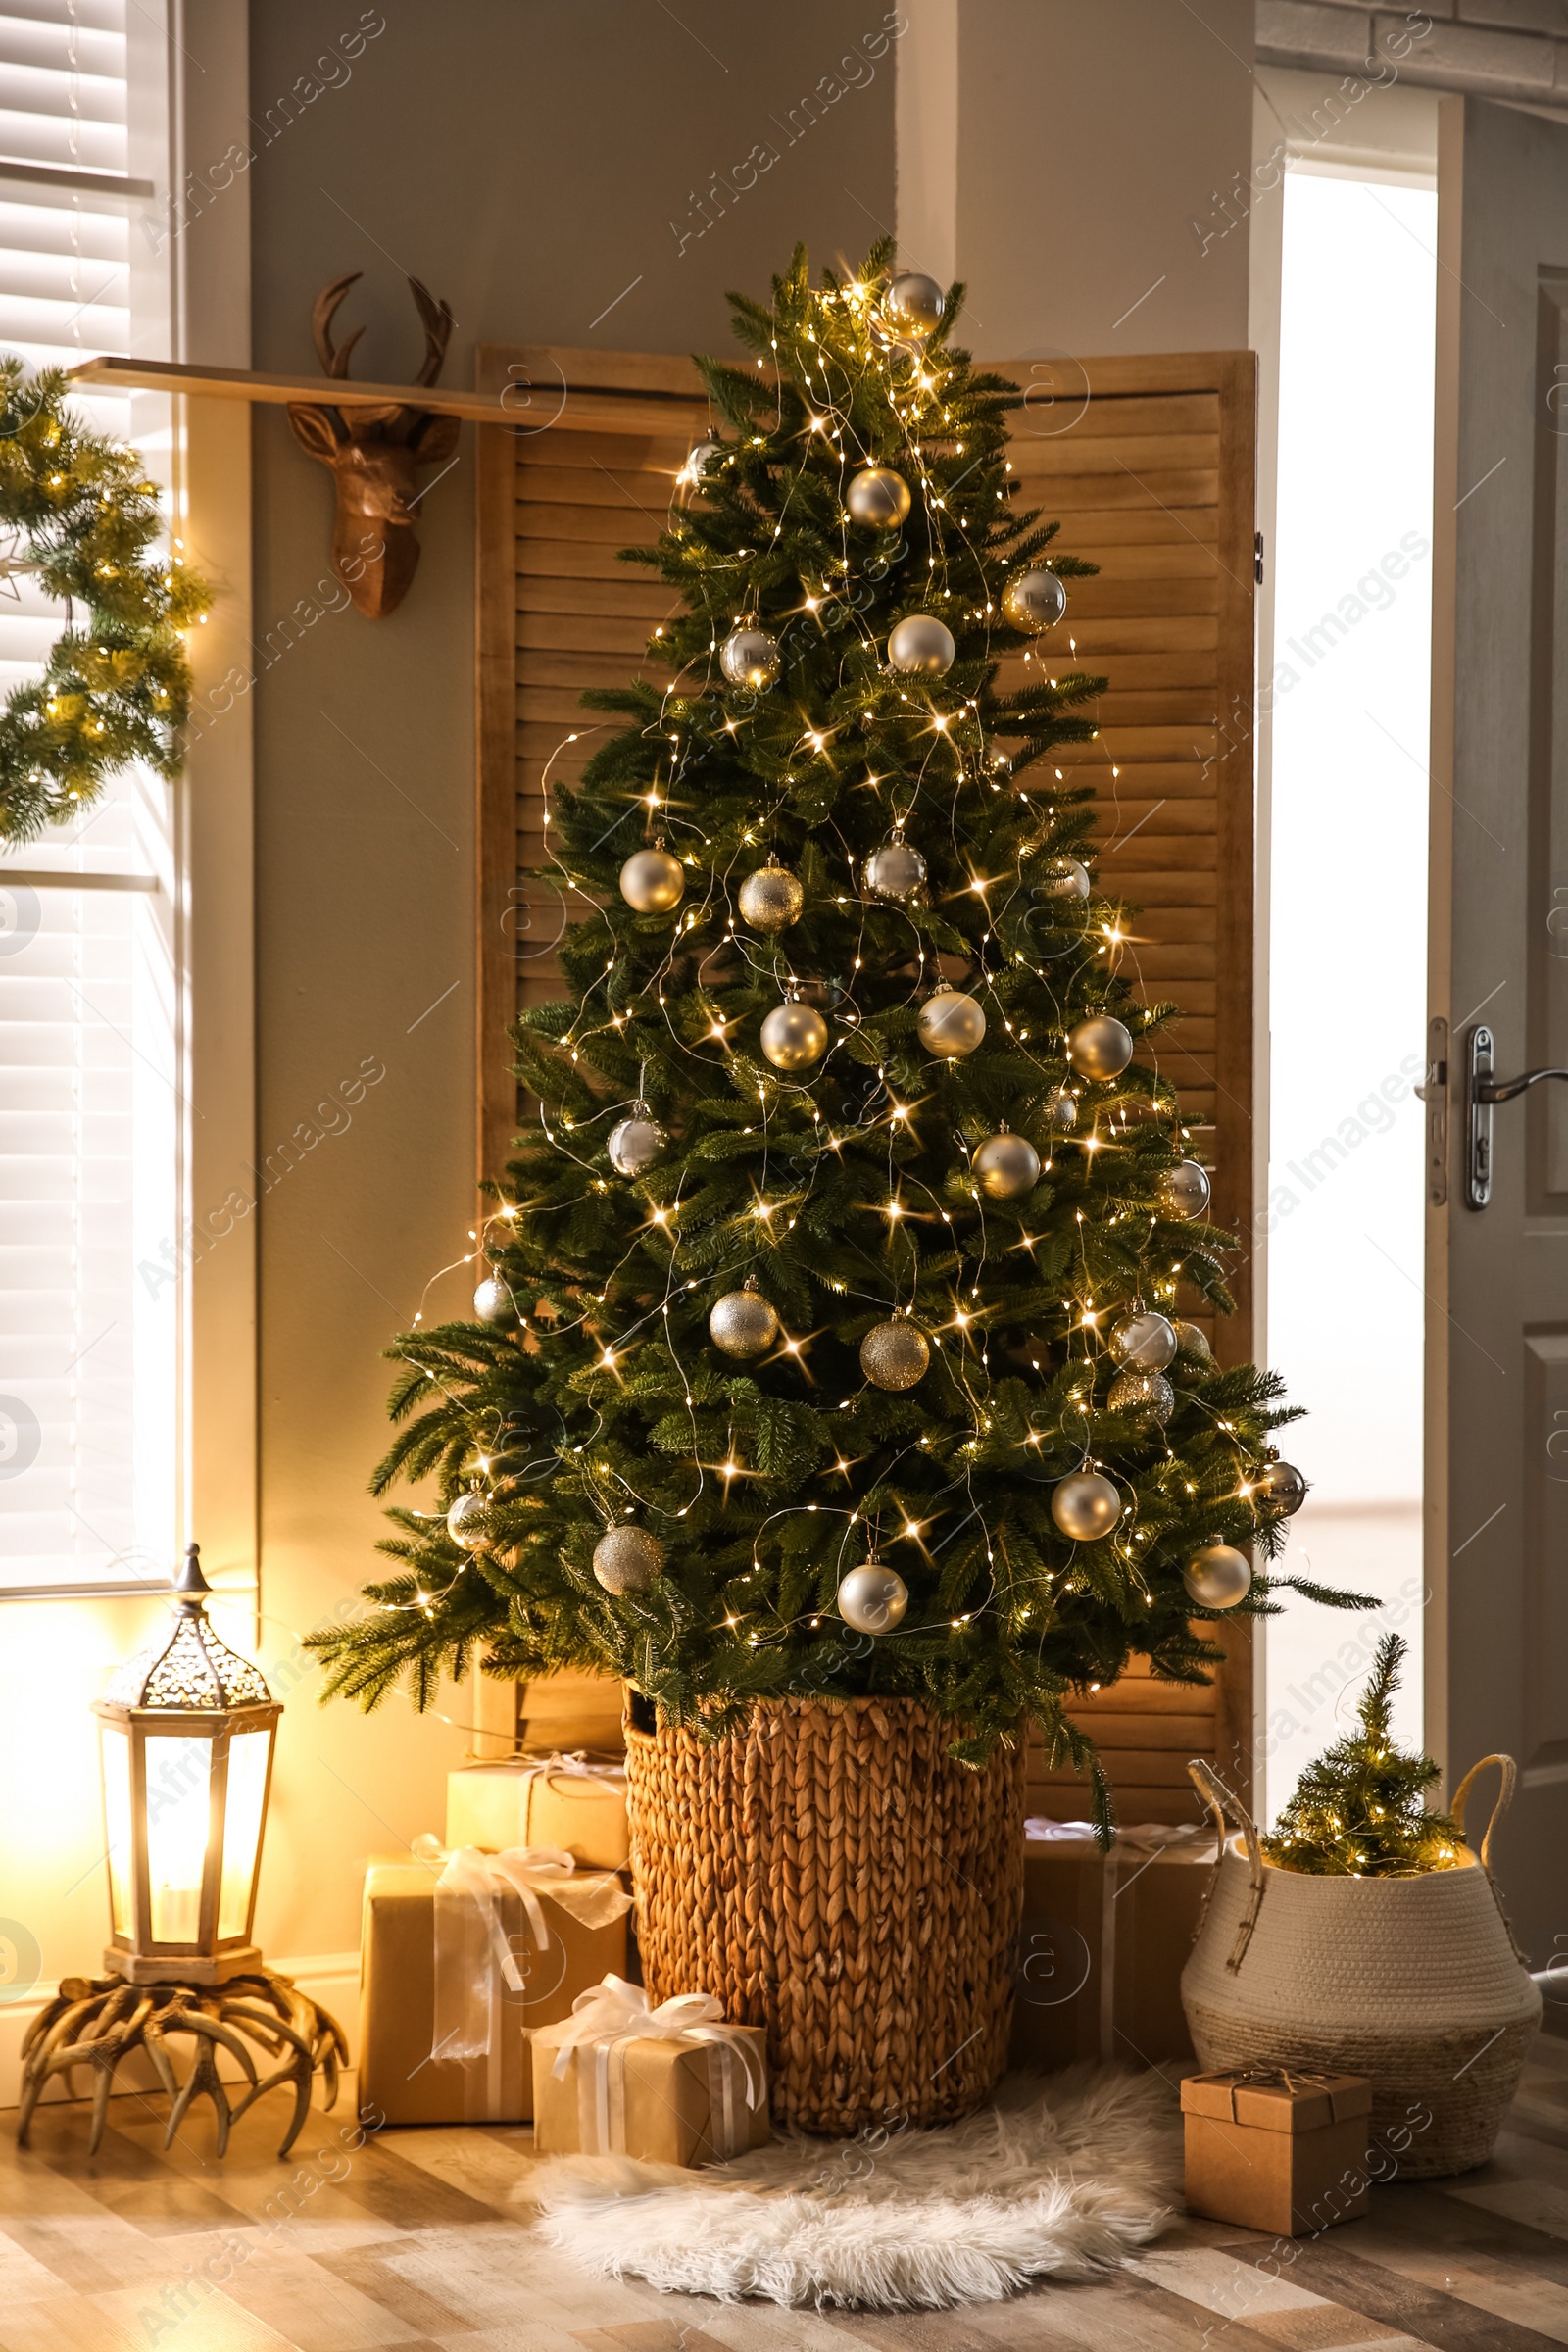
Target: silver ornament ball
x,y
1061,878
1148,1394
494,1305
1144,1342
771,899
1280,1486
697,461
1183,1191
950,1023
1193,1341
895,1355
913,304
468,1522
999,765
921,646
636,1143
1217,1576
872,1598
1062,1108
743,1323
1034,601
892,871
627,1559
794,1036
878,496
1100,1047
1006,1166
750,657
1084,1506
653,881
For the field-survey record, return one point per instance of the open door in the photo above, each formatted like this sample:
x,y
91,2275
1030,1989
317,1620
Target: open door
x,y
1497,1271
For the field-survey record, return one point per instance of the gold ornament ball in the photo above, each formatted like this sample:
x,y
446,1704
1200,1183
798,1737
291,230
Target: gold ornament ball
x,y
913,304
469,1522
1217,1576
794,1036
895,1355
872,1598
1100,1047
1143,1343
1193,1341
879,496
627,1559
1034,601
1281,1488
1146,1393
1006,1166
892,871
1061,878
636,1143
921,646
1084,1506
771,899
750,657
653,881
743,1323
950,1023
494,1305
1183,1191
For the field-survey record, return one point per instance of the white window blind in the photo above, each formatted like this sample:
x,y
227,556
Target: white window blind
x,y
89,1101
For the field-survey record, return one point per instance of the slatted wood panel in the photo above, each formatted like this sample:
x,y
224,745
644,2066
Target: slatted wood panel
x,y
1151,475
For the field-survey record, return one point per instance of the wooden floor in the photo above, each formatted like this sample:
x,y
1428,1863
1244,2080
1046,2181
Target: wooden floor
x,y
415,2241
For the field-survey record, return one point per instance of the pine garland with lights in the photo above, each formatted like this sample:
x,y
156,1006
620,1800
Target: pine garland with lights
x,y
859,1189
1360,1812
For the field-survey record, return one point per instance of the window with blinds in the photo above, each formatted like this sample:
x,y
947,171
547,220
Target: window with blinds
x,y
89,1101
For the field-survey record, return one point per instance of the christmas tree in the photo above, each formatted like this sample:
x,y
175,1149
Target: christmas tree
x,y
1359,1811
829,1342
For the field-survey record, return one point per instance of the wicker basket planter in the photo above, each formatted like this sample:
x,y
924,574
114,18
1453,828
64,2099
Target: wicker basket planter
x,y
1412,1981
833,1875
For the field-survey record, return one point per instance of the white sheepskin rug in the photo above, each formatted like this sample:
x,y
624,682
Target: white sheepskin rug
x,y
1062,2177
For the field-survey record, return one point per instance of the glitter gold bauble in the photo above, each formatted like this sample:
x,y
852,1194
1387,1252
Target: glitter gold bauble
x,y
1183,1191
878,496
653,881
627,1559
1006,1166
742,1322
1034,601
794,1036
950,1023
895,1355
913,304
771,899
1193,1341
1217,1576
873,1599
1146,1393
893,871
1084,1506
921,646
1143,1342
1100,1047
1280,1486
1061,878
750,656
636,1143
494,1305
468,1522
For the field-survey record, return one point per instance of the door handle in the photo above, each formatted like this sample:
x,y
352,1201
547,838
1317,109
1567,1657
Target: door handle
x,y
1481,1090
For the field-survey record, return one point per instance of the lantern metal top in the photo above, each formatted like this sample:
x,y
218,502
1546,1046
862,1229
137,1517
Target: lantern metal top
x,y
188,1668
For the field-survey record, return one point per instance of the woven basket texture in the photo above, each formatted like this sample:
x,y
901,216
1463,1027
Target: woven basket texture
x,y
832,1873
1412,1981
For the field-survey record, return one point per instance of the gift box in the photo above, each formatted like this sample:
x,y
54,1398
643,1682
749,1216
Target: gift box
x,y
565,1803
459,1953
1277,2150
671,2085
1104,1941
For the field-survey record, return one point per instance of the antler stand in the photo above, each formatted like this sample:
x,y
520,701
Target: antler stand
x,y
98,2022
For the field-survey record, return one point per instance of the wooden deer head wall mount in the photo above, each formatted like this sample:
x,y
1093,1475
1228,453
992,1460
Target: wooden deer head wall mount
x,y
375,454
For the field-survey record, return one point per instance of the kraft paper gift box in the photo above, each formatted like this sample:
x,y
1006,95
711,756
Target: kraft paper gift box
x,y
669,2085
557,1802
445,2000
1277,2150
1103,1942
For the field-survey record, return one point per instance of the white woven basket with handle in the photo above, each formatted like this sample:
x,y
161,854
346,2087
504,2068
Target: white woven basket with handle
x,y
1416,1983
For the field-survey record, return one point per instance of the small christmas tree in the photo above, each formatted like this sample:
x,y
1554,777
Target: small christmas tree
x,y
1359,1812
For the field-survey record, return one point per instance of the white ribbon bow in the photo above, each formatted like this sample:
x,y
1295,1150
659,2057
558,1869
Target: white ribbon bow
x,y
610,2015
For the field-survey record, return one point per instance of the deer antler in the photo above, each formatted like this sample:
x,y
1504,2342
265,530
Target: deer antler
x,y
327,303
437,320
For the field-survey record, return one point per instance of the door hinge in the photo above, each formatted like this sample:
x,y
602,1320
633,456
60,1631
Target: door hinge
x,y
1257,557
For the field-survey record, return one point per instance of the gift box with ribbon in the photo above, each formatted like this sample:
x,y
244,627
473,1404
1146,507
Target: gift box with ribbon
x,y
673,2085
568,1801
461,1951
1276,2148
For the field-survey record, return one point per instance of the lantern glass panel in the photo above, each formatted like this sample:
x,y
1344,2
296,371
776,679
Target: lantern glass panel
x,y
116,1825
247,1752
178,1829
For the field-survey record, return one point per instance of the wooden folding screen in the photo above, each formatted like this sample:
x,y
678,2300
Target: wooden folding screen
x,y
1147,463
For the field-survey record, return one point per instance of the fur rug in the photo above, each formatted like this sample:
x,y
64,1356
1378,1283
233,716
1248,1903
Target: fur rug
x,y
1062,2177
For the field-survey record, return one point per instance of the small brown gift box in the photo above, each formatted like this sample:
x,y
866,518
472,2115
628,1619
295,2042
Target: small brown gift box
x,y
534,1801
662,2099
1277,2150
398,2001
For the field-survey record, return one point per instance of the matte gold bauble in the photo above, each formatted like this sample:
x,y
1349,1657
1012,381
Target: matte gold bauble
x,y
742,1322
921,646
469,1522
873,1599
895,1355
771,899
893,871
653,881
1193,1341
1034,601
1143,1342
1218,1576
913,304
878,496
750,657
627,1559
1183,1191
1061,878
1006,1166
1100,1047
794,1036
494,1305
1280,1486
1148,1394
1084,1506
950,1023
636,1143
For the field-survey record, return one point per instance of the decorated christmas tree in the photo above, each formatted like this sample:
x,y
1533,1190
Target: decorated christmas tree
x,y
830,1341
1359,1811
